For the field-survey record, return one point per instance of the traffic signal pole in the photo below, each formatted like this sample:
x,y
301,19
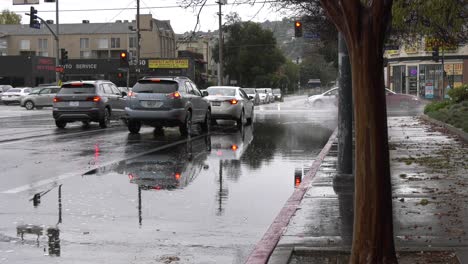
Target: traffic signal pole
x,y
221,42
57,42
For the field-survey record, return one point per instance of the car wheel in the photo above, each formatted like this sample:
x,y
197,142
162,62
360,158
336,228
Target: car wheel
x,y
85,124
133,126
60,124
318,104
206,126
105,122
241,120
186,128
251,119
29,105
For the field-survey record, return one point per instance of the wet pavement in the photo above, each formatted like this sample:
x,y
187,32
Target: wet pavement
x,y
92,195
428,169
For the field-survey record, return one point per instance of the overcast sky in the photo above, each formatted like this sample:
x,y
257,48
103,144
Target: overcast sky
x,y
182,20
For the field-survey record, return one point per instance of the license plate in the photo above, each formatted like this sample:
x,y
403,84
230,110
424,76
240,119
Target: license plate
x,y
152,104
74,103
215,103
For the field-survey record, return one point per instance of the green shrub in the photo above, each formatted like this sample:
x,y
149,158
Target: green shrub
x,y
436,106
459,94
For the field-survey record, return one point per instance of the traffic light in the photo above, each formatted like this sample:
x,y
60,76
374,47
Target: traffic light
x,y
297,29
120,75
435,54
64,56
124,59
33,21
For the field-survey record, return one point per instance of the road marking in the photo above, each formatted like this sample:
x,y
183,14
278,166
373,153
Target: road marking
x,y
37,184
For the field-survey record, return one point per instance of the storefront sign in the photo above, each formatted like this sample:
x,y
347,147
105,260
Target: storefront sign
x,y
429,90
454,69
168,64
45,64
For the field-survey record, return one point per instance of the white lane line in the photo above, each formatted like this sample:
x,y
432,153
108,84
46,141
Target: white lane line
x,y
37,184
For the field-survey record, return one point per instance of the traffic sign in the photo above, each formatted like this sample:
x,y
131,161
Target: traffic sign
x,y
59,69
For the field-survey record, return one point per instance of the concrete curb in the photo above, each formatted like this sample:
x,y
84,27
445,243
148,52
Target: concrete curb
x,y
462,134
270,239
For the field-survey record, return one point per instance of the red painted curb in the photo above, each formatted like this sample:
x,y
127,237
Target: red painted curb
x,y
270,239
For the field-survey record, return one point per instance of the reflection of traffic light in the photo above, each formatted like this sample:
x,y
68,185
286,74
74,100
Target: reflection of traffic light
x,y
297,28
297,177
435,54
123,59
33,22
64,56
119,75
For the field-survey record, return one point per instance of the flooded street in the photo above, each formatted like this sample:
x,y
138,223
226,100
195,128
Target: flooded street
x,y
105,196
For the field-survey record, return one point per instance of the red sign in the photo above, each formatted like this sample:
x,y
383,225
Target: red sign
x,y
59,69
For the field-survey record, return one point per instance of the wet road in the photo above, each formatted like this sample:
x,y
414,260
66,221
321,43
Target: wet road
x,y
104,196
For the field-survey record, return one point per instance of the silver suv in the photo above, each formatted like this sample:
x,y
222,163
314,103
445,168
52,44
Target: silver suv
x,y
88,101
38,99
167,102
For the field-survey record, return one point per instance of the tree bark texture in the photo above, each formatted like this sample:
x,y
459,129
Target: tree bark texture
x,y
364,26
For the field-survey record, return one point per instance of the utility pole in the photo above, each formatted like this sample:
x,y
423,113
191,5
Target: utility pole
x,y
57,59
137,64
345,110
221,42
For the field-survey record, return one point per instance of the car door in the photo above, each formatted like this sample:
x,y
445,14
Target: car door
x,y
119,106
199,104
42,97
111,98
248,104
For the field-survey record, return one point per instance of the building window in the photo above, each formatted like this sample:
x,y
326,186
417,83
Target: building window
x,y
103,43
115,43
42,44
132,42
25,44
85,54
84,43
43,53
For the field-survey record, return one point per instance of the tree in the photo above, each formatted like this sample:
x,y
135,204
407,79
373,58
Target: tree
x,y
364,25
250,54
9,17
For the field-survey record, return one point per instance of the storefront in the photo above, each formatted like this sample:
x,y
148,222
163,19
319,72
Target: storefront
x,y
26,71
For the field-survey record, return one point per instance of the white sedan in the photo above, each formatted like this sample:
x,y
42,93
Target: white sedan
x,y
15,95
326,99
230,103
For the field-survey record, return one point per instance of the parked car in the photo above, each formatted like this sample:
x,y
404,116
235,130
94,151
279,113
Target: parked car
x,y
401,101
231,103
4,88
278,95
328,98
271,97
263,95
14,95
88,101
251,92
165,102
40,98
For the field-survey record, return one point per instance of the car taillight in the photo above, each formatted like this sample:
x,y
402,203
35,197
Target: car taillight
x,y
132,94
57,99
174,95
94,99
233,101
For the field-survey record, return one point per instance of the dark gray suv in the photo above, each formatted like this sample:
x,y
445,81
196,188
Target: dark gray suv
x,y
167,102
88,101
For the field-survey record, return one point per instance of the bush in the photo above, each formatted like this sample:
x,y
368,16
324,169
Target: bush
x,y
436,106
459,94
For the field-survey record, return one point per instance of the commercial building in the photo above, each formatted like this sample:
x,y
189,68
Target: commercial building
x,y
411,68
93,50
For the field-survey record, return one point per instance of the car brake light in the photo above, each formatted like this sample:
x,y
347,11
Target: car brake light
x,y
177,176
77,84
94,99
233,101
155,80
174,95
234,147
57,99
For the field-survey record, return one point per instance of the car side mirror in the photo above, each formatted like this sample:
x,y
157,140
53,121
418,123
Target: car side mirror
x,y
124,94
204,93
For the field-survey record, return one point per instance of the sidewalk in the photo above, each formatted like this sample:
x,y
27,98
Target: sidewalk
x,y
429,169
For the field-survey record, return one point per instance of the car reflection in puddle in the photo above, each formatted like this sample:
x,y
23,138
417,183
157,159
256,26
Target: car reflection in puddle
x,y
168,169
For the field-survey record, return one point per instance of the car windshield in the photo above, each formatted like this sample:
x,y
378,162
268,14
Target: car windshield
x,y
249,90
221,91
85,88
155,86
